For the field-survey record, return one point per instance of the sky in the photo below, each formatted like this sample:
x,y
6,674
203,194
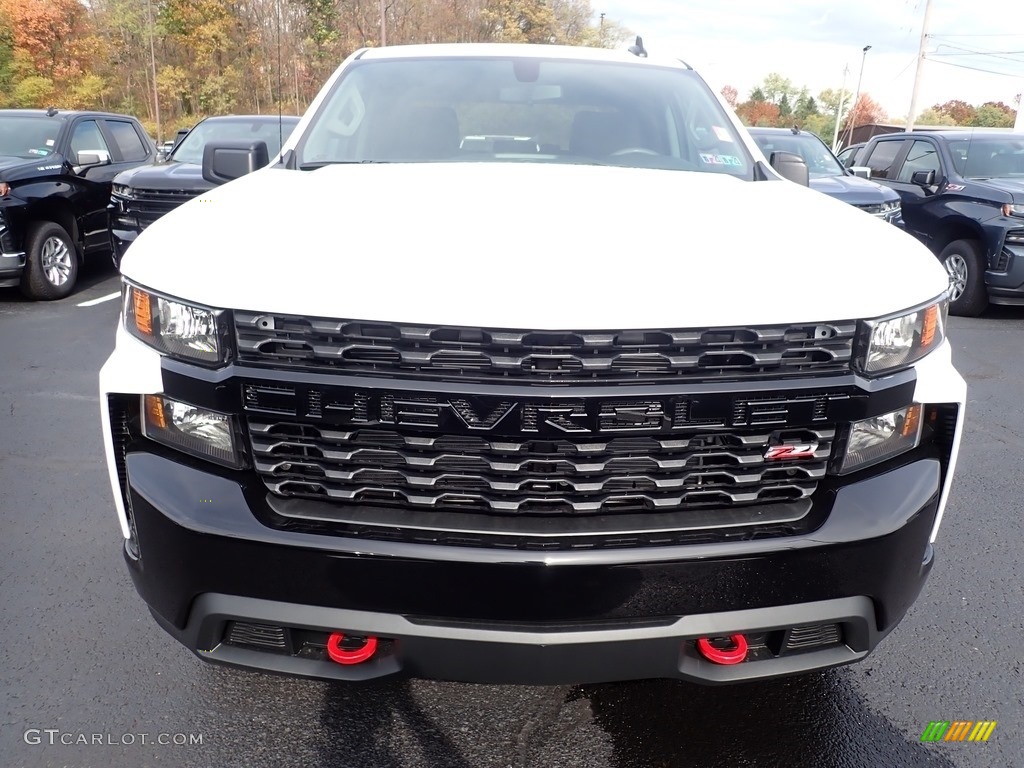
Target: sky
x,y
738,42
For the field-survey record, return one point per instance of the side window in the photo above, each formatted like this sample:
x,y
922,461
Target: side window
x,y
881,157
88,140
127,139
922,157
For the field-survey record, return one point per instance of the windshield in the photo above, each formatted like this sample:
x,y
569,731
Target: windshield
x,y
821,163
523,110
190,150
985,158
28,136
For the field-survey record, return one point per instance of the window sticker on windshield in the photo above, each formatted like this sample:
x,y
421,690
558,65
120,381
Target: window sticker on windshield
x,y
731,160
722,134
50,142
39,152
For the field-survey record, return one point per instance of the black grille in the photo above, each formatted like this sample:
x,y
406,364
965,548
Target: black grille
x,y
266,636
148,205
566,476
810,636
558,357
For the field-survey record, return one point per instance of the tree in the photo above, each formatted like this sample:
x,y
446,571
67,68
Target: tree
x,y
759,113
784,109
730,95
757,95
776,88
933,116
521,21
993,114
805,106
866,111
961,112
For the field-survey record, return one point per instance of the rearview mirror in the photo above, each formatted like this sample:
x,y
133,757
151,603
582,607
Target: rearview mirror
x,y
790,166
225,161
923,178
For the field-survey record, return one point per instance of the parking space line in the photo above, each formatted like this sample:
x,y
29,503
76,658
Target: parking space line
x,y
100,300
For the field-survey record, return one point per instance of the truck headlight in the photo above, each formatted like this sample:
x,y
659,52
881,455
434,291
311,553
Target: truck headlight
x,y
882,437
190,429
898,341
178,329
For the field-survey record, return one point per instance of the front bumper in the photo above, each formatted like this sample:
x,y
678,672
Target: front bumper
x,y
203,557
540,618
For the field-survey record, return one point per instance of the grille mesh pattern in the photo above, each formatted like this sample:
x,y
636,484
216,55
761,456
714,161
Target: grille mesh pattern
x,y
551,476
475,354
148,205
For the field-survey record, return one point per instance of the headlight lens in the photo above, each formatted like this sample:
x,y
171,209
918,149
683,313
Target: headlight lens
x,y
896,342
1013,210
882,437
121,190
188,428
179,329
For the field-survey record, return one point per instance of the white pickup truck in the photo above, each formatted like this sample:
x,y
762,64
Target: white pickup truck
x,y
595,395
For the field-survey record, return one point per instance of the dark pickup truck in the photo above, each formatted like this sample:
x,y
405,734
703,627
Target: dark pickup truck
x,y
56,169
963,196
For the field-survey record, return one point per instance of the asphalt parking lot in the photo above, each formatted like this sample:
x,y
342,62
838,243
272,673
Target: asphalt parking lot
x,y
81,658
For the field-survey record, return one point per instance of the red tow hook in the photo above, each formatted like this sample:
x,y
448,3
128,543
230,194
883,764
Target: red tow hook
x,y
733,655
350,656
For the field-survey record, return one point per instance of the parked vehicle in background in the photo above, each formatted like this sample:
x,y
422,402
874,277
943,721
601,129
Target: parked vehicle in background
x,y
827,174
56,169
848,156
522,365
963,196
142,195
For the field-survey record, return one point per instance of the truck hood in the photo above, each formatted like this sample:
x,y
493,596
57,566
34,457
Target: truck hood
x,y
1014,186
854,190
169,175
528,245
18,168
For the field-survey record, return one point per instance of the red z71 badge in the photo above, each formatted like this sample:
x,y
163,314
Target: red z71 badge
x,y
790,451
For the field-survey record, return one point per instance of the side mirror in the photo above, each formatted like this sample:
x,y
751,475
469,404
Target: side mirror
x,y
225,161
861,171
790,166
923,178
91,158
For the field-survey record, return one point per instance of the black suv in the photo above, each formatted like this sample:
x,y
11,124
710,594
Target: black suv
x,y
142,195
56,169
963,196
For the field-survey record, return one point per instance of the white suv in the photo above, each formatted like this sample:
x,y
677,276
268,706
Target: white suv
x,y
610,403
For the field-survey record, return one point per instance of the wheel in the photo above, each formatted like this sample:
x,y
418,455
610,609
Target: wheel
x,y
966,268
51,265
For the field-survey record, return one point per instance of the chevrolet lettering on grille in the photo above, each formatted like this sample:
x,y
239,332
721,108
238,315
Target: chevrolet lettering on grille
x,y
497,415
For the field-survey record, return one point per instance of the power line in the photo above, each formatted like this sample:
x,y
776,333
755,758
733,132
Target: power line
x,y
976,69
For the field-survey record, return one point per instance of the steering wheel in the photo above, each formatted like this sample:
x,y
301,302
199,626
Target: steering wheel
x,y
634,151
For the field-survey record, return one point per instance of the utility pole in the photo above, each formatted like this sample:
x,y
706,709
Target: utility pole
x,y
1018,124
839,109
920,65
856,99
152,64
383,25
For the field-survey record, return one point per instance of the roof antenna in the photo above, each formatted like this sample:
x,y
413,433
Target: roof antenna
x,y
637,49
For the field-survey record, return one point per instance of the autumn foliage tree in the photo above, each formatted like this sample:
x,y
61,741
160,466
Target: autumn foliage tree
x,y
223,56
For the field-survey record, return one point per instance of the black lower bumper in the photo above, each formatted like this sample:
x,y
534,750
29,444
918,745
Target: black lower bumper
x,y
519,616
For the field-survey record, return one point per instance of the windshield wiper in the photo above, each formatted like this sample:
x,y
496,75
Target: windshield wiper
x,y
322,163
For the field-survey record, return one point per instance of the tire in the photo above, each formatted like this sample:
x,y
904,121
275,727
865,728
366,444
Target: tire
x,y
51,265
966,268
